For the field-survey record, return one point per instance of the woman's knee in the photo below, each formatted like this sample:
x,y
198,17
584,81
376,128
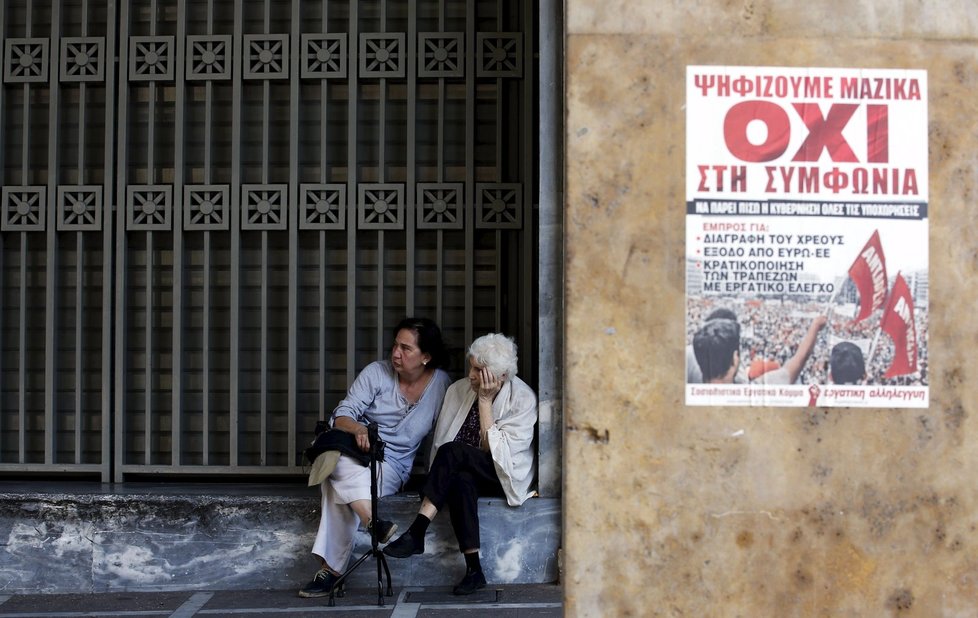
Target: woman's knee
x,y
449,454
463,483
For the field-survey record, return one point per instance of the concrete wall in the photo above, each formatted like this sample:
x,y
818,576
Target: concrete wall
x,y
672,510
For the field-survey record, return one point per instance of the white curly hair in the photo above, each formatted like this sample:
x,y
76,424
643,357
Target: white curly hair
x,y
497,352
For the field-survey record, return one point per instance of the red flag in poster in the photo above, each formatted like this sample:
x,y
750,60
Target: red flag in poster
x,y
868,272
898,323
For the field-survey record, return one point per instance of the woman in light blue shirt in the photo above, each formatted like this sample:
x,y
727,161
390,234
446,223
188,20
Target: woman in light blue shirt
x,y
403,396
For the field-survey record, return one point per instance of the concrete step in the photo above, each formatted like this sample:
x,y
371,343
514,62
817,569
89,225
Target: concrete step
x,y
89,537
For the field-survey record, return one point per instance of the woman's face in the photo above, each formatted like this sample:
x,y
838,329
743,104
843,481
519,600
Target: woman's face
x,y
406,356
475,374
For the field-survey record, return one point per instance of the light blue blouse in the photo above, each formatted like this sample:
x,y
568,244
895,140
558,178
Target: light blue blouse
x,y
375,396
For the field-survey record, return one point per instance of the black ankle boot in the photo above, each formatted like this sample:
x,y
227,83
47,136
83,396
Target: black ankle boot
x,y
404,546
473,580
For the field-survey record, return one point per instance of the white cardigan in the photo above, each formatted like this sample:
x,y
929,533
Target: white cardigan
x,y
510,437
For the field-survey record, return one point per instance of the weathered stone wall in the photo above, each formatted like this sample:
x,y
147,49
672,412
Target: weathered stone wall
x,y
698,511
105,538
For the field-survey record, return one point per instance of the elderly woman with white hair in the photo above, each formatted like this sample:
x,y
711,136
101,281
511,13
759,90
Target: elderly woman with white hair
x,y
483,446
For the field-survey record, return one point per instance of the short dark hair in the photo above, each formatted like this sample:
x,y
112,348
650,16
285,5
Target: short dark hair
x,y
429,339
714,345
846,363
722,314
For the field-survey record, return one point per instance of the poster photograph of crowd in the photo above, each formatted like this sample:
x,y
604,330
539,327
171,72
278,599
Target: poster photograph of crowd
x,y
806,237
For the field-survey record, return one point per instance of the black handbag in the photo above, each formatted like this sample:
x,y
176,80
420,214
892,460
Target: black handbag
x,y
335,440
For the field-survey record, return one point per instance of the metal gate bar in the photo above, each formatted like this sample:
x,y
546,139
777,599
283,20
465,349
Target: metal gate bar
x,y
51,260
292,317
178,391
3,136
235,214
3,110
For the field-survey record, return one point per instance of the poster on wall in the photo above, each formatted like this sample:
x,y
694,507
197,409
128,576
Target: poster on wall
x,y
806,237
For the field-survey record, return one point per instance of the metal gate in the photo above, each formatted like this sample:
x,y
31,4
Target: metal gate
x,y
214,212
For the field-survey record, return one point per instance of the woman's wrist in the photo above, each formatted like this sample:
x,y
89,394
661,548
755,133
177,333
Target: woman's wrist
x,y
347,424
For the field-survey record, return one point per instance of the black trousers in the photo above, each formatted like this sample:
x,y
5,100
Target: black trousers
x,y
459,475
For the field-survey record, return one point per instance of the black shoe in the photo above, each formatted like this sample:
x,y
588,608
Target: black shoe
x,y
320,586
473,580
385,529
404,546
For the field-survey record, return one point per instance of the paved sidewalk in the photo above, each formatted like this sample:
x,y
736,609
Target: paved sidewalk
x,y
506,601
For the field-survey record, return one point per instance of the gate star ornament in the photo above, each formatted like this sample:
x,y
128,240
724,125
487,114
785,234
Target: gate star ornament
x,y
24,208
82,59
150,58
25,60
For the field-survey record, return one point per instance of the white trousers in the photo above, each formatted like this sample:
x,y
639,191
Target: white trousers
x,y
348,483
